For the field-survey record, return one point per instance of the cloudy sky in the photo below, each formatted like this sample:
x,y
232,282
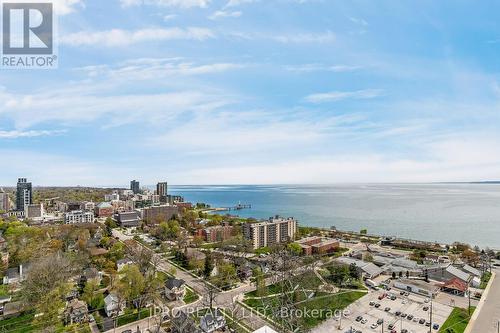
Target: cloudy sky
x,y
258,92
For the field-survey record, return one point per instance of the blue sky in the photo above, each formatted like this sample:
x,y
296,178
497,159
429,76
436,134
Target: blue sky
x,y
258,92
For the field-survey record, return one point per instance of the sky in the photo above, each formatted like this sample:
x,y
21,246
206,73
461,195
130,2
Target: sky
x,y
259,92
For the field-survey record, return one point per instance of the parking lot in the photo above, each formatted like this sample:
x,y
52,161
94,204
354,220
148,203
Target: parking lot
x,y
395,314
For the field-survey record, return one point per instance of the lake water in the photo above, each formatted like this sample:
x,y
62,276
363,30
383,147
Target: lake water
x,y
432,212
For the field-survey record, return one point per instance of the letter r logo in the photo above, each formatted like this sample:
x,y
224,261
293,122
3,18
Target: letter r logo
x,y
27,28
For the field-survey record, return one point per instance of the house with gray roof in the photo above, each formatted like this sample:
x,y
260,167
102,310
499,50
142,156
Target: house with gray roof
x,y
212,321
175,289
366,269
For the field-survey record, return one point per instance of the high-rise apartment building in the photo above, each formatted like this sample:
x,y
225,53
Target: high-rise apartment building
x,y
24,194
4,201
134,186
161,190
273,231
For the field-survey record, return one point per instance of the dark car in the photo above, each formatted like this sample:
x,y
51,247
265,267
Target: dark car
x,y
425,308
407,294
397,313
387,309
421,321
377,305
380,321
393,298
410,317
390,327
435,326
402,293
359,318
404,330
403,315
372,303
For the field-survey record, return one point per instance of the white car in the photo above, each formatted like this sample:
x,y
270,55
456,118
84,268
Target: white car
x,y
364,321
427,300
374,326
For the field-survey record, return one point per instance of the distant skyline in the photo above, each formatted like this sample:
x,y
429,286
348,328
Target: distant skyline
x,y
259,92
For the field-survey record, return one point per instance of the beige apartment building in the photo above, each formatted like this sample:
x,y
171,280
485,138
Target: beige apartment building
x,y
273,231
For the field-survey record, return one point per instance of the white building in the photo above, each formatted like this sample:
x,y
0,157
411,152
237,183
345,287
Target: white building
x,y
78,216
112,197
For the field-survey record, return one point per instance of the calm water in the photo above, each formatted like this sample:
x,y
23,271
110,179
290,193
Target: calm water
x,y
434,212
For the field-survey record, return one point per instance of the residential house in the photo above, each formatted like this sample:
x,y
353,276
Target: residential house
x,y
212,321
113,305
16,274
182,323
76,312
175,289
120,264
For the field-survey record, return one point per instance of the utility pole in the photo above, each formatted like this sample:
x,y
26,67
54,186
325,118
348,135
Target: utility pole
x,y
430,316
468,292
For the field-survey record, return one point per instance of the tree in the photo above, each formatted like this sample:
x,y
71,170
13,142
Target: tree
x,y
132,281
46,275
91,295
295,248
363,231
209,265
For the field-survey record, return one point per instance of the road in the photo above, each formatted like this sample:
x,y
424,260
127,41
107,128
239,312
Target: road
x,y
487,316
225,299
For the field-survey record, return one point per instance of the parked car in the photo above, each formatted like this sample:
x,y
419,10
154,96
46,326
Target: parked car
x,y
377,305
359,318
428,324
374,326
435,326
380,321
393,297
425,308
427,300
410,317
397,313
421,321
390,327
372,303
387,309
364,321
382,296
403,315
404,330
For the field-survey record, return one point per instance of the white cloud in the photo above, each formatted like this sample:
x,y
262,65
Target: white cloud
x,y
65,7
119,37
335,96
169,17
222,13
234,3
359,21
29,134
84,104
167,3
320,67
156,68
326,37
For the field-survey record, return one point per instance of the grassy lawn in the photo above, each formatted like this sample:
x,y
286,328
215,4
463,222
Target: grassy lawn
x,y
485,279
131,317
18,325
190,296
327,303
457,321
307,281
